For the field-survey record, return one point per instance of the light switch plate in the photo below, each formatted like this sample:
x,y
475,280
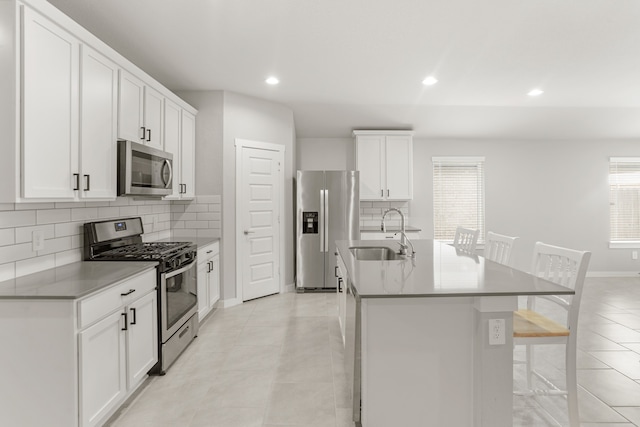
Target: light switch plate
x,y
37,240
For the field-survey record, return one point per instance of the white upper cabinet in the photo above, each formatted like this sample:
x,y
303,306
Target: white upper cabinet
x,y
188,157
179,140
139,112
153,102
130,109
50,58
65,100
385,162
98,140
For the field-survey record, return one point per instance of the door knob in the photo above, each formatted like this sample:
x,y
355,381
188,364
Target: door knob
x,y
248,232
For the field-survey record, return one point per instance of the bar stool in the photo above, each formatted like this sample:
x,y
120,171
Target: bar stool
x,y
466,239
499,247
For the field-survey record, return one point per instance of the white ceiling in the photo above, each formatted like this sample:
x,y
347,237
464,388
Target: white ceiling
x,y
347,64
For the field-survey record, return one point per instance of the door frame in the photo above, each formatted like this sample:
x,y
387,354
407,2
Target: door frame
x,y
280,149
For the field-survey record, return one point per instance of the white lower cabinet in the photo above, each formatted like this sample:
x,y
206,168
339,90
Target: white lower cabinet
x,y
102,376
116,353
208,278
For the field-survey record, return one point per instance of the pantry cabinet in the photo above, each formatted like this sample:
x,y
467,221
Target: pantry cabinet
x,y
385,162
208,278
179,140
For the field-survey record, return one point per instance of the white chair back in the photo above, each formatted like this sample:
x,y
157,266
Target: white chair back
x,y
466,239
499,248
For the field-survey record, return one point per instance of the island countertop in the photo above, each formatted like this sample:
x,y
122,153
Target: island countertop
x,y
438,270
72,281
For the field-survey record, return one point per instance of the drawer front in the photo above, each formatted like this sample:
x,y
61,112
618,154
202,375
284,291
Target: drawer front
x,y
97,306
206,252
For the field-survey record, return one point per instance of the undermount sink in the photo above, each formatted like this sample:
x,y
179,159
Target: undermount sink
x,y
375,253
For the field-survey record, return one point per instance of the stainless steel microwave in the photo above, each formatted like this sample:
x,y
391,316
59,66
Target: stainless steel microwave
x,y
143,170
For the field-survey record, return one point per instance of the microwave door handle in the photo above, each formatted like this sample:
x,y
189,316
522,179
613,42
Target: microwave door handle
x,y
167,164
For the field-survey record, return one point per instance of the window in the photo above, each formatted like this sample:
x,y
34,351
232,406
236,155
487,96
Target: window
x,y
458,195
624,202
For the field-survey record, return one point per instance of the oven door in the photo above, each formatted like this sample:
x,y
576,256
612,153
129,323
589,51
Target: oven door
x,y
178,298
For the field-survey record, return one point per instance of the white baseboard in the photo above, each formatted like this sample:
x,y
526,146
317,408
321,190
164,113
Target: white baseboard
x,y
613,273
230,302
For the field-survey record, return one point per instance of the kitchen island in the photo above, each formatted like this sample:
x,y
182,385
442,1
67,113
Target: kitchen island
x,y
417,335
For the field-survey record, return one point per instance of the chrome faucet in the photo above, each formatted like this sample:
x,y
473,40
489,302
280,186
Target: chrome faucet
x,y
403,236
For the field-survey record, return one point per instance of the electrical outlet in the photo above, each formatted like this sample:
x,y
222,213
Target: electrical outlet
x,y
37,241
634,254
496,331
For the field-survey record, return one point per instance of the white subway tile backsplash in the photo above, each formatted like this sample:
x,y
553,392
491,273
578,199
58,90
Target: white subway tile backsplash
x,y
69,229
34,206
55,245
53,216
25,234
7,271
67,257
62,224
9,219
126,211
16,252
33,265
7,236
108,212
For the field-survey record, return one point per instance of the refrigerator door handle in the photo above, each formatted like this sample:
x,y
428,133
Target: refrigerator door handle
x,y
326,221
321,221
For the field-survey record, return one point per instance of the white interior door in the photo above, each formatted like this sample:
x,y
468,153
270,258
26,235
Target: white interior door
x,y
259,222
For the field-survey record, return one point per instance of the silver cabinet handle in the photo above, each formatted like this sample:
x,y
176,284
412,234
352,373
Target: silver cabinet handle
x,y
248,232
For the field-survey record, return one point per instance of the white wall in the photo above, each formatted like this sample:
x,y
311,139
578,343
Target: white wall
x,y
540,190
325,154
223,117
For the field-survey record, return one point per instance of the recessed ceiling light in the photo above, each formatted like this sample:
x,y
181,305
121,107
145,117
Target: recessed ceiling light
x,y
535,92
429,81
272,80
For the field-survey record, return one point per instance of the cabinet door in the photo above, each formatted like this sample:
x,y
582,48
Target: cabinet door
x,y
153,102
130,103
214,281
399,167
102,368
172,135
142,338
188,156
369,162
203,289
50,108
98,127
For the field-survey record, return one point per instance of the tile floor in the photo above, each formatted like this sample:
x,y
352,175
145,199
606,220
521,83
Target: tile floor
x,y
277,361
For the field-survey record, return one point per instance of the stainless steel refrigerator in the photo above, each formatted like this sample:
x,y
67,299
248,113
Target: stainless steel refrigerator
x,y
328,209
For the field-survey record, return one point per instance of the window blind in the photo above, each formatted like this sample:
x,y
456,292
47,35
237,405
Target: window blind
x,y
458,195
624,199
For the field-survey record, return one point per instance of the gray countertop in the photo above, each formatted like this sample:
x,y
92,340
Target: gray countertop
x,y
72,281
390,229
437,271
199,241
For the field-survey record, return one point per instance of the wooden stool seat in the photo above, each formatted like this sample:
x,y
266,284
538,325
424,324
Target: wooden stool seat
x,y
530,324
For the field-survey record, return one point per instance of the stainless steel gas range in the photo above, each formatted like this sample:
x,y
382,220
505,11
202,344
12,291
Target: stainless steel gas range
x,y
121,240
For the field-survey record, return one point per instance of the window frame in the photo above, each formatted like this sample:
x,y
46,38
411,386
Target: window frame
x,y
475,161
621,244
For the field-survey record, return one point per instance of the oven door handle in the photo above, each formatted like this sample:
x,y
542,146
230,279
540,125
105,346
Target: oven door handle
x,y
180,271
